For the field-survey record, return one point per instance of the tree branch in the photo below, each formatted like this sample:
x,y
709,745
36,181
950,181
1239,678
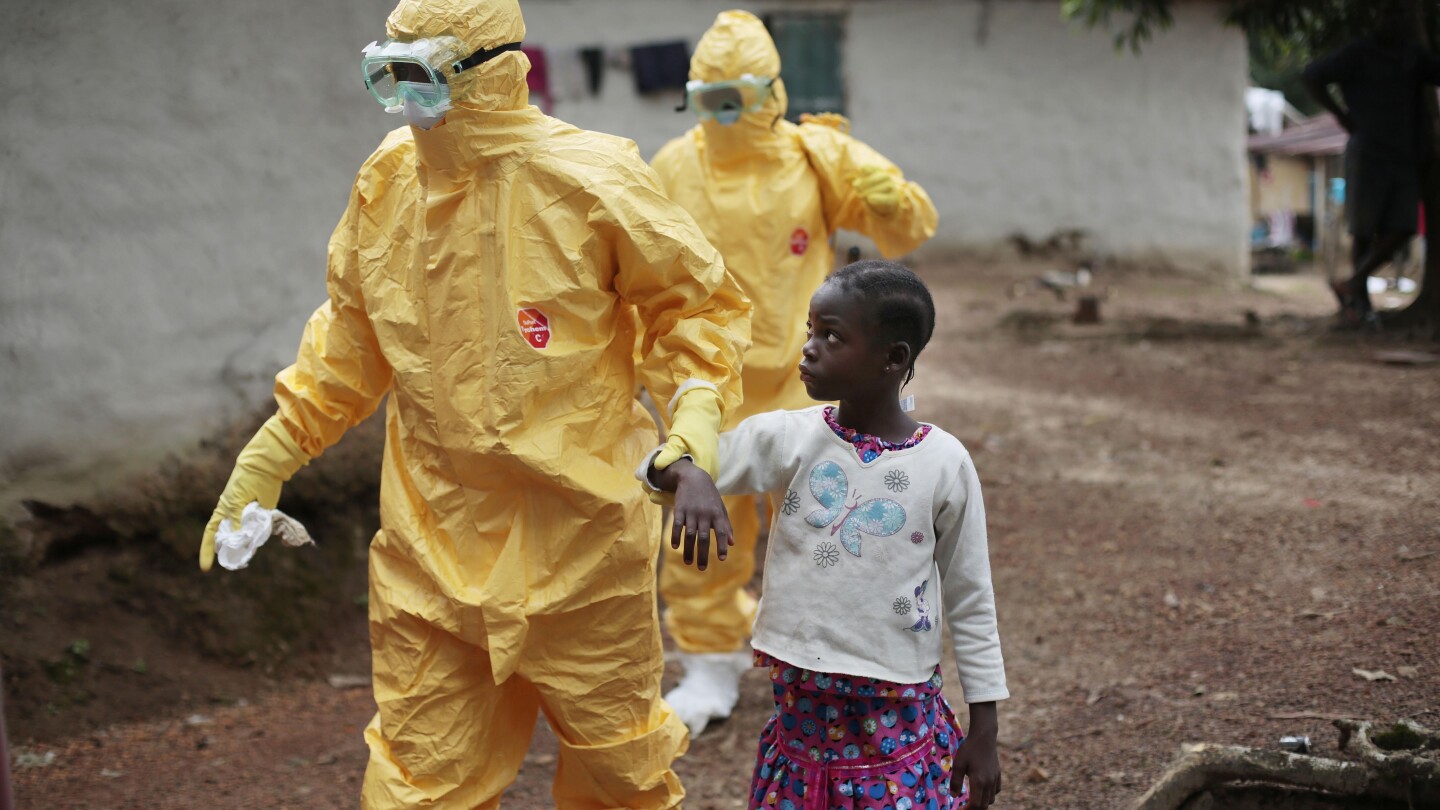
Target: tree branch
x,y
1391,767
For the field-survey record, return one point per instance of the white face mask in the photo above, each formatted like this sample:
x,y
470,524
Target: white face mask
x,y
728,116
418,114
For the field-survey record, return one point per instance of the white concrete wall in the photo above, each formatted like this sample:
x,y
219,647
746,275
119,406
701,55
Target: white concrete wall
x,y
1045,126
170,173
1037,126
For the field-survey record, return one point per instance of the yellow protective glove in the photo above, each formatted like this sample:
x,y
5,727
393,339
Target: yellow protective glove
x,y
694,431
268,461
879,189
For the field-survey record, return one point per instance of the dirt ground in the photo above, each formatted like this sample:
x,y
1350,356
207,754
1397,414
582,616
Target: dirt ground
x,y
1209,519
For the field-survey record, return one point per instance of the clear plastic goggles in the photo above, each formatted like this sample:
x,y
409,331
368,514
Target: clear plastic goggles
x,y
418,71
395,71
726,101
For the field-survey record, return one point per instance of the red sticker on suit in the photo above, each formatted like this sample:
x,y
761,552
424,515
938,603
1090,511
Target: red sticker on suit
x,y
799,242
535,327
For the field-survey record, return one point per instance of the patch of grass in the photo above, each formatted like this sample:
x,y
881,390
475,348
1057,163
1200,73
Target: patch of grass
x,y
10,560
71,665
1398,737
1030,322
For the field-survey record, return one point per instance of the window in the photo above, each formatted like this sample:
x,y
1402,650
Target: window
x,y
809,45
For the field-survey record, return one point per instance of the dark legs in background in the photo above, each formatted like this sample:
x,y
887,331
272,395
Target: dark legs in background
x,y
1368,254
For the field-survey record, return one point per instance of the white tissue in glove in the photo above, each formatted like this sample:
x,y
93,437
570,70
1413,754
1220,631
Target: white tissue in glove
x,y
234,547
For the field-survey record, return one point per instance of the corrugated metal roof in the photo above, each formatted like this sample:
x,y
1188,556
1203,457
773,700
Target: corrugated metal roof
x,y
1314,137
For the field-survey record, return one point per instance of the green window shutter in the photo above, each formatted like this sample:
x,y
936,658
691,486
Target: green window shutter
x,y
809,46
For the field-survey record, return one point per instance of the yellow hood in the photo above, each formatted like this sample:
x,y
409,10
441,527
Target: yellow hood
x,y
481,24
737,44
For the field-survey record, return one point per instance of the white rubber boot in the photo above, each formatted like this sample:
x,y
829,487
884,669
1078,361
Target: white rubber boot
x,y
709,688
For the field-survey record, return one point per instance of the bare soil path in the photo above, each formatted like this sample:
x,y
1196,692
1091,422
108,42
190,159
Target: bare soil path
x,y
1203,524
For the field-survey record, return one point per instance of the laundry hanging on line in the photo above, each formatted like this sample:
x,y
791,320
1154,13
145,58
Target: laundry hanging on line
x,y
568,81
660,66
574,73
538,80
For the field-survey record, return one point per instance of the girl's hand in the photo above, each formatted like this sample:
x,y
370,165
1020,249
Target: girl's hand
x,y
978,758
698,512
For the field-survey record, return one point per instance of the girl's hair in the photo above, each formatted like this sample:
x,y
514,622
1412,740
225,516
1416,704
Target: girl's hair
x,y
897,301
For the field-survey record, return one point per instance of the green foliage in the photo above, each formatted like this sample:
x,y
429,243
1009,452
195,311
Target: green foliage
x,y
68,668
1399,737
1144,18
1283,31
1300,29
11,558
1283,73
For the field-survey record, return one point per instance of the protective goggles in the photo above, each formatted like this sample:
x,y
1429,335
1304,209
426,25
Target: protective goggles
x,y
726,101
417,71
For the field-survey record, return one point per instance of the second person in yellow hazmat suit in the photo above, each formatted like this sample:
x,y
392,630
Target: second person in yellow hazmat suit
x,y
769,194
483,277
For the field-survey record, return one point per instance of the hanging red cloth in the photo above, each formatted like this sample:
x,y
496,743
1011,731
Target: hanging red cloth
x,y
538,79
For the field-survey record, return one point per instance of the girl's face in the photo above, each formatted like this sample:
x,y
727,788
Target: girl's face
x,y
841,359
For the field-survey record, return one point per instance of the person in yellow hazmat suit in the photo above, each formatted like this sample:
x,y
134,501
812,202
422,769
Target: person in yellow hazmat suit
x,y
485,277
769,194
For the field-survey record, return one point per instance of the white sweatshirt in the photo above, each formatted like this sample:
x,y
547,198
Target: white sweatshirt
x,y
864,560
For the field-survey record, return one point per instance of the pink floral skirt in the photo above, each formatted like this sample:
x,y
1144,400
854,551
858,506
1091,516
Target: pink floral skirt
x,y
838,742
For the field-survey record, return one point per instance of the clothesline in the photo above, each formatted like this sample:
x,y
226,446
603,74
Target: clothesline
x,y
573,73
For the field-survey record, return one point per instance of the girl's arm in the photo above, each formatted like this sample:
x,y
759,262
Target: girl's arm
x,y
963,556
978,758
755,457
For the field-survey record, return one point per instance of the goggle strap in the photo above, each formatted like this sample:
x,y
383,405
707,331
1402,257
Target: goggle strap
x,y
482,56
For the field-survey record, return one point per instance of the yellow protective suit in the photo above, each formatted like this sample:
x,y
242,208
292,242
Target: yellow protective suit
x,y
769,194
485,277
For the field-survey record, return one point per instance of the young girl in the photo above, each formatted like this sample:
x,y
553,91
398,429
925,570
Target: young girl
x,y
878,541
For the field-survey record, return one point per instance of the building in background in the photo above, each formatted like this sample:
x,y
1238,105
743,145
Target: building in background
x,y
163,228
1292,173
1297,202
